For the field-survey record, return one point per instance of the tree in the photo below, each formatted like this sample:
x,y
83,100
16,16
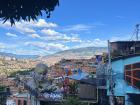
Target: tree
x,y
41,68
15,10
72,101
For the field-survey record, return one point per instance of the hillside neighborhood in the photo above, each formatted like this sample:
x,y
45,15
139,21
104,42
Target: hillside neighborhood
x,y
69,52
91,81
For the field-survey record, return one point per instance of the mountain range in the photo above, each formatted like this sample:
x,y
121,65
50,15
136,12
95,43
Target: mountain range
x,y
79,53
18,56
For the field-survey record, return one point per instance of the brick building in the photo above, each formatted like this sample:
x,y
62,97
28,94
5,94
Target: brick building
x,y
87,65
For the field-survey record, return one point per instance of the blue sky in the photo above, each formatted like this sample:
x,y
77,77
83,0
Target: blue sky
x,y
73,24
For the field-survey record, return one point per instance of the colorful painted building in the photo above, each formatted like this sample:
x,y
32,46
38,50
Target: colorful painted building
x,y
126,78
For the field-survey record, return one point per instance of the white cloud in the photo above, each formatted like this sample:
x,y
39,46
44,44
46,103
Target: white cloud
x,y
47,38
34,36
50,32
11,35
57,46
37,29
37,44
63,38
78,27
28,27
43,23
2,46
71,39
51,47
24,29
7,46
21,27
53,35
92,43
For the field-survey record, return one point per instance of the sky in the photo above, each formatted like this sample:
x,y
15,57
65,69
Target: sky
x,y
73,24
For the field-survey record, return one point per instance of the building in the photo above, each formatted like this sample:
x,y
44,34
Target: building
x,y
9,82
4,93
23,99
121,48
125,79
87,65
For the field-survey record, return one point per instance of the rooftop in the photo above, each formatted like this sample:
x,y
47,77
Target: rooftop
x,y
125,57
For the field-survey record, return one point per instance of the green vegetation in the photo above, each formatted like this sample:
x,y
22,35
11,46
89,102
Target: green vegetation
x,y
26,72
41,68
2,88
73,87
72,101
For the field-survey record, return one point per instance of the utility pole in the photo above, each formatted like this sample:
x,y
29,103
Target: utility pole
x,y
137,37
111,83
109,55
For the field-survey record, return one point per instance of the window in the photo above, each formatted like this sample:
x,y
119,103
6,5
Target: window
x,y
128,67
132,74
128,79
19,102
25,102
128,73
136,83
136,74
136,65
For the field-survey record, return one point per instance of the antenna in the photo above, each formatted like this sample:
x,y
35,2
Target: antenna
x,y
137,31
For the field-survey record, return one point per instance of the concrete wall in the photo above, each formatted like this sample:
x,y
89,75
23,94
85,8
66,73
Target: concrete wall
x,y
121,87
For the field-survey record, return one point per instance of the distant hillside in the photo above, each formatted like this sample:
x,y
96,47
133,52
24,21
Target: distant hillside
x,y
18,56
79,53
